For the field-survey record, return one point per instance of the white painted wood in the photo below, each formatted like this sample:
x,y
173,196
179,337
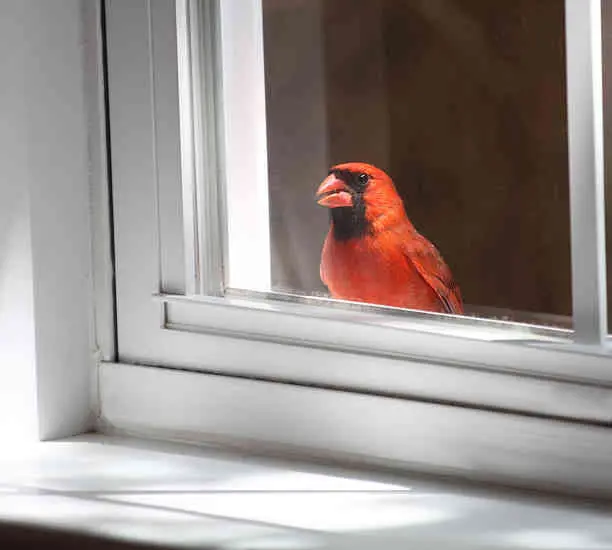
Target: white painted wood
x,y
428,358
352,351
372,430
147,197
46,294
18,409
164,142
586,168
101,219
188,168
200,120
245,145
61,224
143,493
429,340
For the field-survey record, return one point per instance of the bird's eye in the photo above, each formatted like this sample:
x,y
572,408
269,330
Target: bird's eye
x,y
363,178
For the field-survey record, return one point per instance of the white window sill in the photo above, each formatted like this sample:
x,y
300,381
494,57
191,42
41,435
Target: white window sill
x,y
186,497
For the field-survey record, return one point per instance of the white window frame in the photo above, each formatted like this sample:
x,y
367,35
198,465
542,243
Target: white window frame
x,y
437,394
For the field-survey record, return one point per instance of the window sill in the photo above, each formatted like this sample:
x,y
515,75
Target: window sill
x,y
403,434
181,496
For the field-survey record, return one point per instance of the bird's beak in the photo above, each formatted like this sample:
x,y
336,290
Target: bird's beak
x,y
334,193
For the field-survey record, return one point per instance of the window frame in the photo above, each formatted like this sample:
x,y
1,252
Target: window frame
x,y
236,49
240,193
223,344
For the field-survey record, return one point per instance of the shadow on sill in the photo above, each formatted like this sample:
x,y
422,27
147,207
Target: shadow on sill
x,y
34,537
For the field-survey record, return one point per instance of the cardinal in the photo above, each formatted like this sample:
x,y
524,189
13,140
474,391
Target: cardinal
x,y
372,252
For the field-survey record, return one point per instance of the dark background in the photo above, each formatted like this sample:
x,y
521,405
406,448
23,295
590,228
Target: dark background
x,y
606,7
462,102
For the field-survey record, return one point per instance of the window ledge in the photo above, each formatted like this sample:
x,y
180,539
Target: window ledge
x,y
487,446
183,496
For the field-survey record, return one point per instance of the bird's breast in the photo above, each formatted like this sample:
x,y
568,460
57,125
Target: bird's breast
x,y
374,269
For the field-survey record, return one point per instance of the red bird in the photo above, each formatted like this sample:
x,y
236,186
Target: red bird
x,y
372,252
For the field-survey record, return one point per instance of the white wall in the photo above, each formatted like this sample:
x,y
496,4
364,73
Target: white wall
x,y
45,274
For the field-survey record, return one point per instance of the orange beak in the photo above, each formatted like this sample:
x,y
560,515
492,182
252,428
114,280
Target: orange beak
x,y
334,193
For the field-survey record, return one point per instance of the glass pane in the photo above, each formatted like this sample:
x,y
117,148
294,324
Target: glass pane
x,y
606,15
463,104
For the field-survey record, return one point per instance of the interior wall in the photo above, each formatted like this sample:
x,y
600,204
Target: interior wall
x,y
356,82
461,101
18,408
298,155
326,104
479,143
46,347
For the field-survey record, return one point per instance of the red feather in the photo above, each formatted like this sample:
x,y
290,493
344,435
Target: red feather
x,y
386,261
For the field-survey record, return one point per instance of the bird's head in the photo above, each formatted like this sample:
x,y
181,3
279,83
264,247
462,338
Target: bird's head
x,y
358,195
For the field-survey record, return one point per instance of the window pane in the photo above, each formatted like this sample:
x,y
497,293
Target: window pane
x,y
462,103
606,15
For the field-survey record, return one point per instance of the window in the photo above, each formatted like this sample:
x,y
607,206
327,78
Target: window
x,y
463,102
465,106
225,116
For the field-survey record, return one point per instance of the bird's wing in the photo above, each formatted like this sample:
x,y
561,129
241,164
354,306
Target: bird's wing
x,y
322,274
425,257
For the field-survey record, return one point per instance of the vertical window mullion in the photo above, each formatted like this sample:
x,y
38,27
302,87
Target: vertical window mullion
x,y
585,140
200,135
245,151
188,173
